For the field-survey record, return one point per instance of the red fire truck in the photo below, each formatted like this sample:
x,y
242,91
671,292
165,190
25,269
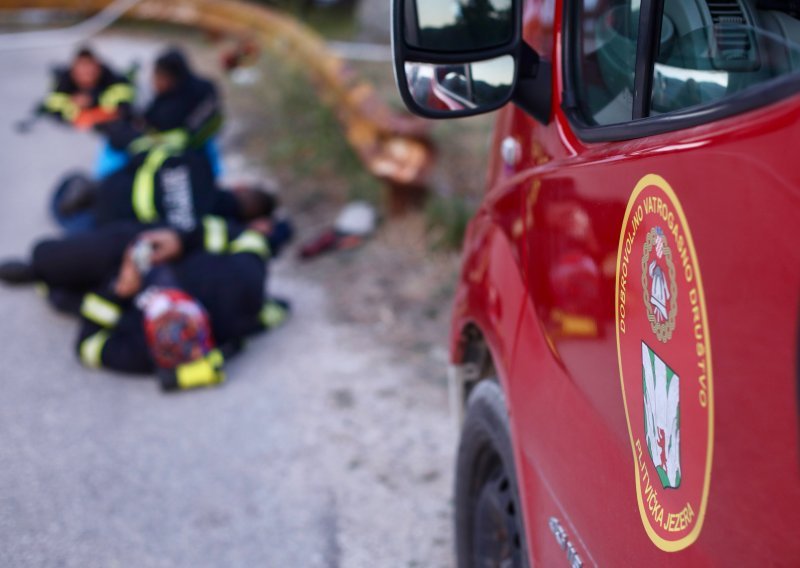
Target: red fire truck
x,y
625,331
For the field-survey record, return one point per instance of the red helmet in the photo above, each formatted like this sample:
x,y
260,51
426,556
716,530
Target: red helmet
x,y
176,326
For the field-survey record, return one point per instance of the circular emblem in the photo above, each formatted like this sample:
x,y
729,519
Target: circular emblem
x,y
665,365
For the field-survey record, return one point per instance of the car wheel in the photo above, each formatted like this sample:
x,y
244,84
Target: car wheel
x,y
489,531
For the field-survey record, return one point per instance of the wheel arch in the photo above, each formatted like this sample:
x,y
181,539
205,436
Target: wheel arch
x,y
487,310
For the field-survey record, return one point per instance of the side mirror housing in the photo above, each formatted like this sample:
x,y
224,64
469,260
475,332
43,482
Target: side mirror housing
x,y
457,58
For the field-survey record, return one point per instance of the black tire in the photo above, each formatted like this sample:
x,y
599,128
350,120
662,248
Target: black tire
x,y
489,527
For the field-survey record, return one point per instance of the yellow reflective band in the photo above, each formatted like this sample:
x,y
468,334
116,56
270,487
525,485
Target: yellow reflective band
x,y
115,95
100,311
92,349
142,144
175,140
144,185
56,101
272,315
216,234
201,373
216,358
251,242
62,104
211,127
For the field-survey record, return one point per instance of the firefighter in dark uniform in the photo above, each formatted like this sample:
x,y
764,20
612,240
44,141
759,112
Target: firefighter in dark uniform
x,y
185,112
80,259
161,186
88,84
183,100
132,325
220,265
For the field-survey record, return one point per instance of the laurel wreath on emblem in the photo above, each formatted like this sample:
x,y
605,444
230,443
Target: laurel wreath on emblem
x,y
662,329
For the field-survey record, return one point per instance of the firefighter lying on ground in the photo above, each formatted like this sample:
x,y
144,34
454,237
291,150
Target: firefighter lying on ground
x,y
162,186
80,259
143,292
179,312
88,92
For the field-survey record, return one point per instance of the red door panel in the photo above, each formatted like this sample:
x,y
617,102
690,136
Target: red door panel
x,y
741,196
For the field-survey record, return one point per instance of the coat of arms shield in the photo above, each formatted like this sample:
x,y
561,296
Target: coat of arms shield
x,y
662,419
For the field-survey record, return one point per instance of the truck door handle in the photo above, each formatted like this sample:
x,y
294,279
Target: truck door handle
x,y
510,151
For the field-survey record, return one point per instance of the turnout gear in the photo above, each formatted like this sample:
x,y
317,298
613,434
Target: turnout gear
x,y
84,261
141,191
78,263
187,115
223,269
162,186
112,97
191,105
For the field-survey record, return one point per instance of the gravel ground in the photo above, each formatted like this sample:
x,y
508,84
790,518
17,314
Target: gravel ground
x,y
325,448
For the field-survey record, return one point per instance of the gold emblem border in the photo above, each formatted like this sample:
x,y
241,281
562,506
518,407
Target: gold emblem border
x,y
662,543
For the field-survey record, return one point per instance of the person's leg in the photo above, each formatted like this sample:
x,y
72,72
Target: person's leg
x,y
79,262
65,301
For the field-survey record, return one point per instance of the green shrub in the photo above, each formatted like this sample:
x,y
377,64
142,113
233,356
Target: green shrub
x,y
447,219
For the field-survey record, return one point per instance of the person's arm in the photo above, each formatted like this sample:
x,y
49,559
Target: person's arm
x,y
206,119
122,349
117,96
111,334
248,241
122,133
217,235
58,103
248,253
168,244
179,122
186,121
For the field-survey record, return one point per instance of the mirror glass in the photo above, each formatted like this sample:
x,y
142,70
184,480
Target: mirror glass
x,y
458,87
458,25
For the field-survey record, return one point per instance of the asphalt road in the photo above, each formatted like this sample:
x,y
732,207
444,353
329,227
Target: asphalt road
x,y
322,450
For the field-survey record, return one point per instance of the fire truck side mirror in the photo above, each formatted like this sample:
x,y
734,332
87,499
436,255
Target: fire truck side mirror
x,y
457,58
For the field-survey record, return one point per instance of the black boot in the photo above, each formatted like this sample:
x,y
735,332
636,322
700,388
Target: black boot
x,y
17,272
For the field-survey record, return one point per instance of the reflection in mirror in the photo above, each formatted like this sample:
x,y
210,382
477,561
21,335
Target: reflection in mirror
x,y
458,25
473,87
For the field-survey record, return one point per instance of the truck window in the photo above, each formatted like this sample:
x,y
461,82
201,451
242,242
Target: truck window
x,y
606,35
708,50
717,48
